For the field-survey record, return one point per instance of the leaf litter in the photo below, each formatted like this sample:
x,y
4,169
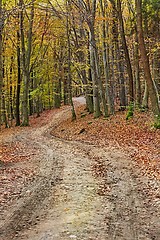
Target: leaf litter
x,y
16,167
136,137
15,170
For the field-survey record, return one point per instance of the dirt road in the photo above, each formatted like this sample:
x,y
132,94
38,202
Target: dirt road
x,y
83,192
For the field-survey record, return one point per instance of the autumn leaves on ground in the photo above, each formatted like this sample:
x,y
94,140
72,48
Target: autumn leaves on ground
x,y
136,137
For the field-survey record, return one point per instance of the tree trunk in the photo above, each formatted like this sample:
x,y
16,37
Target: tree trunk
x,y
96,102
105,60
57,93
26,57
156,72
31,110
1,61
95,64
18,81
145,97
137,73
145,61
121,79
25,118
11,92
69,61
65,89
120,67
4,115
86,83
124,43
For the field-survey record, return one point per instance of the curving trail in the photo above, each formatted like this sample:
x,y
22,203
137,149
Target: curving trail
x,y
69,200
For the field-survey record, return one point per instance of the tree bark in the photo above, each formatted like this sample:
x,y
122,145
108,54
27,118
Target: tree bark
x,y
4,115
119,59
145,61
1,61
96,102
145,97
105,60
126,52
11,92
69,60
26,57
95,63
137,73
31,110
82,60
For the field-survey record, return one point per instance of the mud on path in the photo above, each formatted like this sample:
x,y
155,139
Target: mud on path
x,y
83,192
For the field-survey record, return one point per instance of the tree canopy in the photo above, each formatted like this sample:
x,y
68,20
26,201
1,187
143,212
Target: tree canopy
x,y
53,50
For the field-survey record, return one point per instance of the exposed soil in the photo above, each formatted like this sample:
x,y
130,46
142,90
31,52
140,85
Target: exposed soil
x,y
79,190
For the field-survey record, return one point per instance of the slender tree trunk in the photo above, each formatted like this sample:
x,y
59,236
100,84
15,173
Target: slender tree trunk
x,y
89,77
1,61
31,111
65,90
96,102
87,84
137,73
101,89
4,115
126,52
156,72
95,65
80,42
57,82
25,117
105,60
121,79
145,97
11,92
26,57
4,107
119,60
57,93
145,61
38,110
88,91
69,61
60,78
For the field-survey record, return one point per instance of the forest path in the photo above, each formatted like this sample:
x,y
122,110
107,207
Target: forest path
x,y
82,192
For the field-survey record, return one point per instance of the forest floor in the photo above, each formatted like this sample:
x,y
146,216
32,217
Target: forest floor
x,y
95,179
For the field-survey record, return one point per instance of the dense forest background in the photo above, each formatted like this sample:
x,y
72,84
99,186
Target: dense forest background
x,y
53,50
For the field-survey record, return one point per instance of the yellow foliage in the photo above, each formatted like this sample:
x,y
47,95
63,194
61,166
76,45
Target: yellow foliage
x,y
104,19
